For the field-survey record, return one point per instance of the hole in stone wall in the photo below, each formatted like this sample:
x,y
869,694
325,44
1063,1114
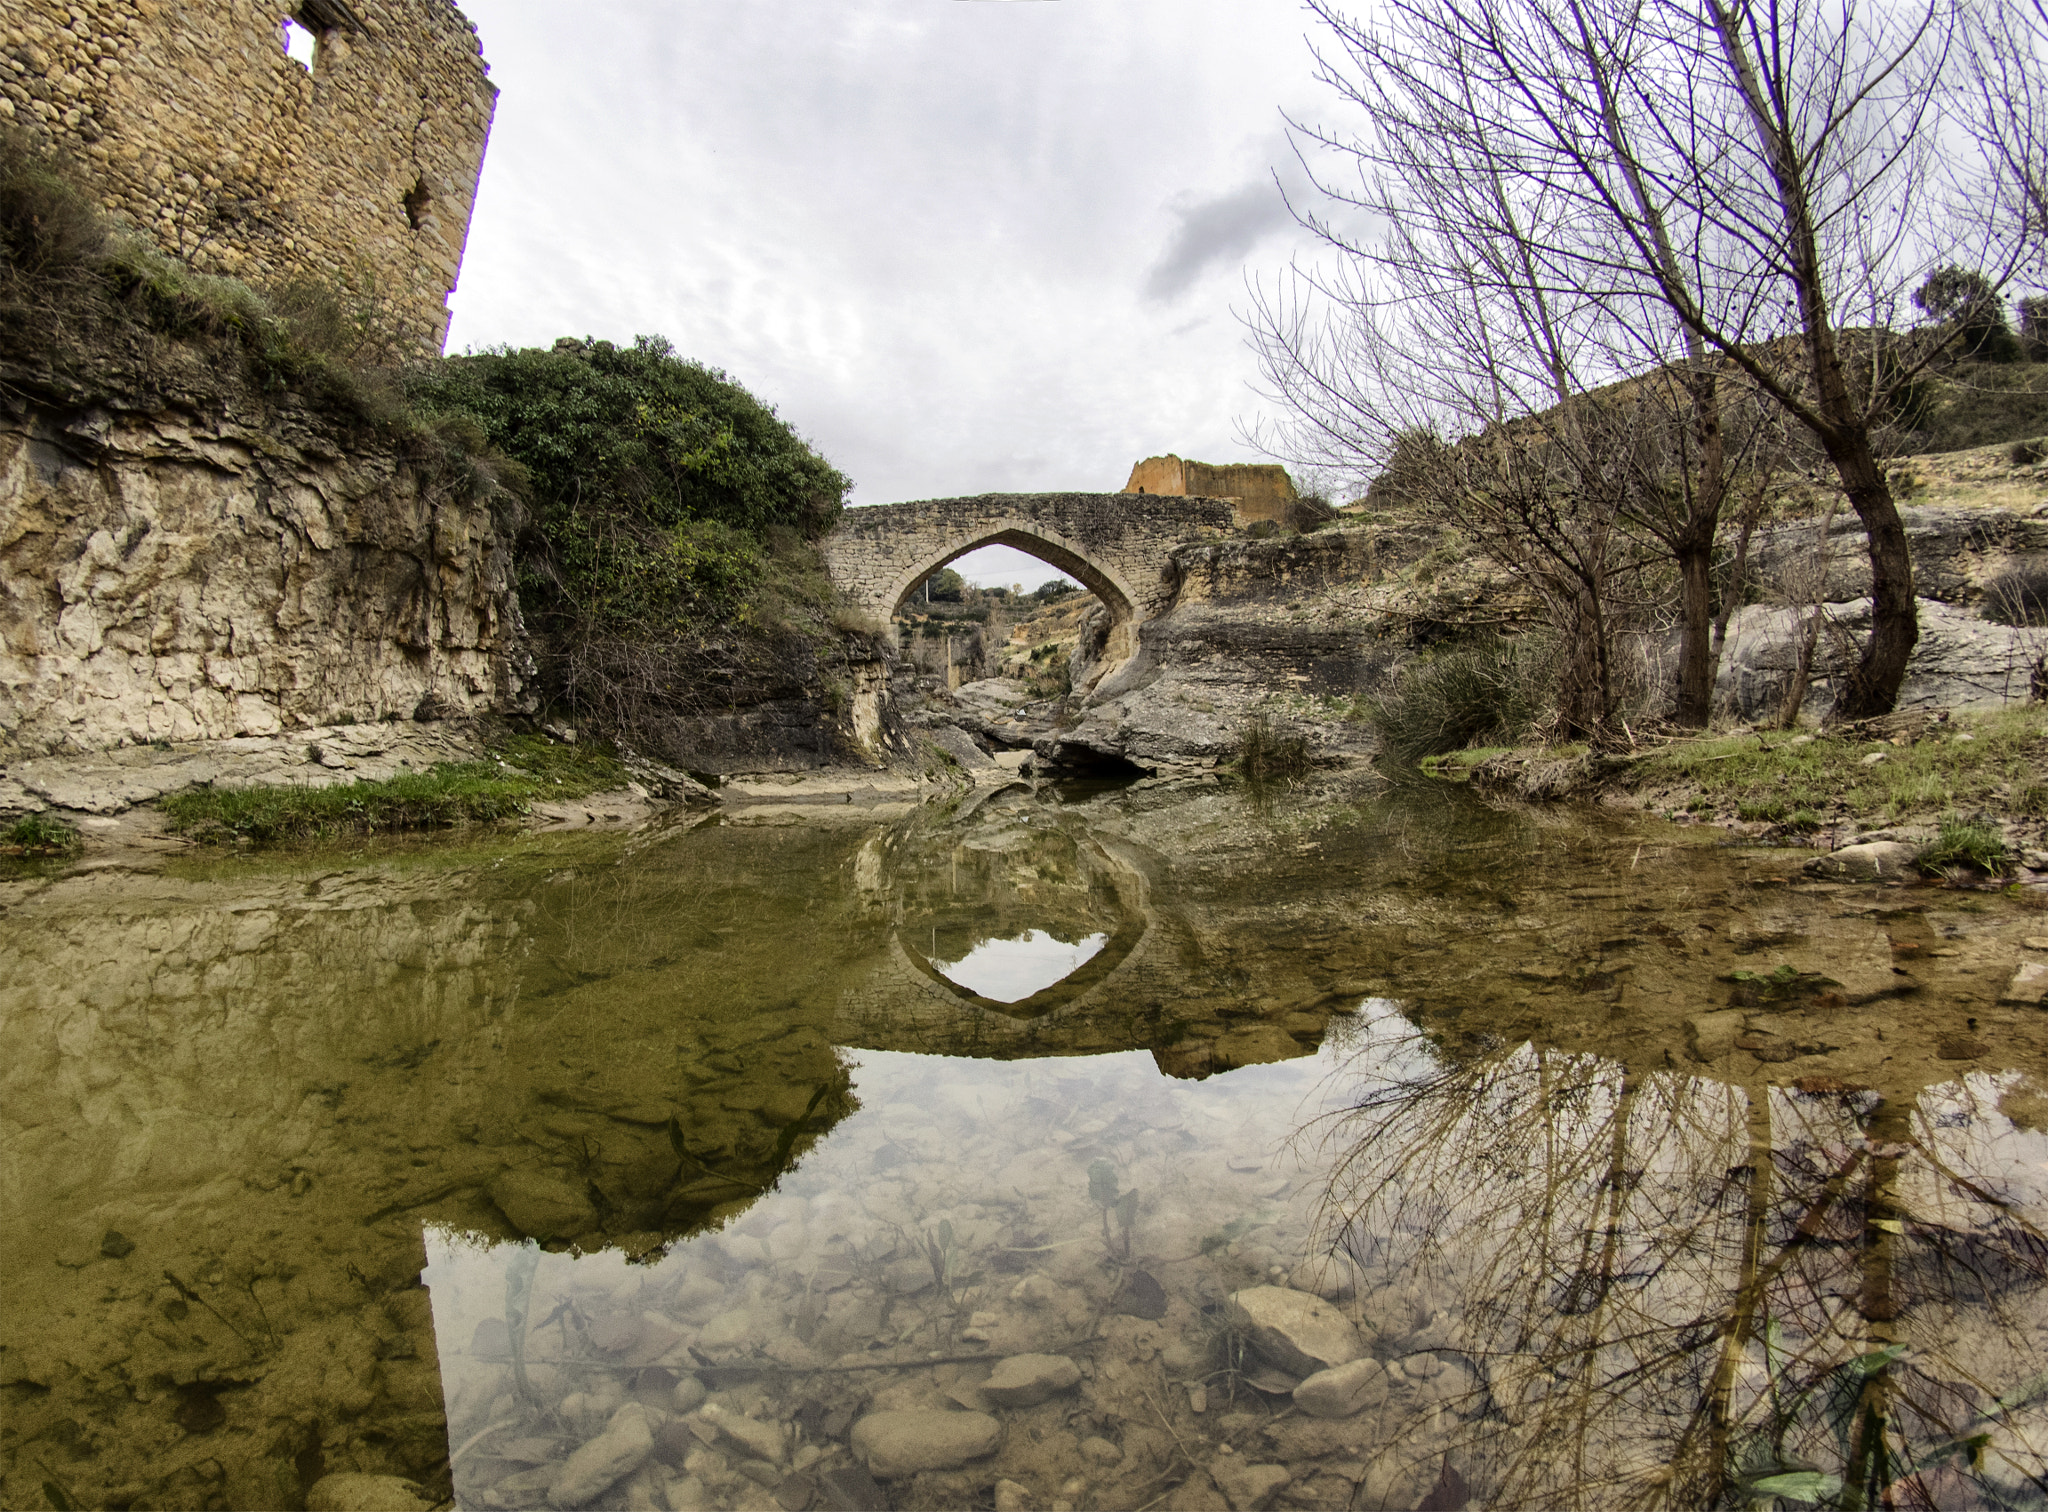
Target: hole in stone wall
x,y
417,201
301,42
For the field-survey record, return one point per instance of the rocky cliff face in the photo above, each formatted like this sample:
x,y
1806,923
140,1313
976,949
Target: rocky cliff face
x,y
198,569
1285,625
1298,628
1982,578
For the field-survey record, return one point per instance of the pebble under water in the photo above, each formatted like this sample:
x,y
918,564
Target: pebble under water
x,y
1373,1151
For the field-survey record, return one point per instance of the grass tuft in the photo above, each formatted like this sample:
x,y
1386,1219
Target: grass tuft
x,y
1963,842
38,835
1264,753
1466,696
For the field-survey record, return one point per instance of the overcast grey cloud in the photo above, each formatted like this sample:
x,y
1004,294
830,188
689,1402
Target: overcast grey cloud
x,y
1219,232
923,230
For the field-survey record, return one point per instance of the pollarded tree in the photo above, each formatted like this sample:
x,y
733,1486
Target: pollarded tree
x,y
1628,185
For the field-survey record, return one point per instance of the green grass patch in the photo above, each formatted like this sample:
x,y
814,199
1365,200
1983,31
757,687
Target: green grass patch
x,y
38,835
1962,842
519,771
2000,769
1458,763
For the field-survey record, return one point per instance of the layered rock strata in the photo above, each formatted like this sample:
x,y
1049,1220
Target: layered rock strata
x,y
203,570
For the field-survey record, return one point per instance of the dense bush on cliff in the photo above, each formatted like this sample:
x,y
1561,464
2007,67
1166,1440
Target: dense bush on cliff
x,y
671,514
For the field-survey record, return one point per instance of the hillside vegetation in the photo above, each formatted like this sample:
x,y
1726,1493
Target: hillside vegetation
x,y
665,518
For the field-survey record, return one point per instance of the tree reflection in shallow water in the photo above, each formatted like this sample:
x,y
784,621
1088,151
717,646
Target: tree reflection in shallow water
x,y
1677,1294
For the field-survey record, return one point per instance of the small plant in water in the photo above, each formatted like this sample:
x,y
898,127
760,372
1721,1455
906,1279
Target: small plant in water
x,y
1263,752
1961,843
1102,1186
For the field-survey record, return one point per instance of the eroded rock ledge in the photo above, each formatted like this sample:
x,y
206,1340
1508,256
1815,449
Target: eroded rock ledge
x,y
208,568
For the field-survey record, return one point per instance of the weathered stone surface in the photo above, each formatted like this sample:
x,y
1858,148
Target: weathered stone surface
x,y
541,1206
1343,1390
1026,1380
349,1491
761,1440
2028,985
616,1453
1247,1487
216,145
173,576
896,1444
1709,1036
956,743
1294,1331
1878,860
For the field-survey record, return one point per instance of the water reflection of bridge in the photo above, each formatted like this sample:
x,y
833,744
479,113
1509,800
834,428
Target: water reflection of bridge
x,y
1155,984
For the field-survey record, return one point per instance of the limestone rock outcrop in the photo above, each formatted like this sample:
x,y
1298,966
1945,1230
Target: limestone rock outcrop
x,y
174,571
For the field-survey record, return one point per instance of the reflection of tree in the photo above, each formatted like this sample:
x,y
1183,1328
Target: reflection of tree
x,y
1674,1294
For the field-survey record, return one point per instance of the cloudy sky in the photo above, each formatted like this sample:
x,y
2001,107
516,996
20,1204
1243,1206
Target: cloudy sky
x,y
961,245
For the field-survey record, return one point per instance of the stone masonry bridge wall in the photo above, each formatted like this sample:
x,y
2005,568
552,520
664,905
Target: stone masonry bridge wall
x,y
1119,546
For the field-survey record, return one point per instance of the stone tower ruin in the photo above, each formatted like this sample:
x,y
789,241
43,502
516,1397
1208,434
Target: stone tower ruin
x,y
354,162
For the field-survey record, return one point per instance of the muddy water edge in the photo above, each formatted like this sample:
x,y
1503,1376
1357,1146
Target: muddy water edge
x,y
1384,1150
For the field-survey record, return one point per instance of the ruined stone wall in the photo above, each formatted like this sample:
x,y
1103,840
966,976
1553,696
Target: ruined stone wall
x,y
179,574
1260,489
189,120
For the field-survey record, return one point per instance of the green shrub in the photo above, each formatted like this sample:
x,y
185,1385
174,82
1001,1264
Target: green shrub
x,y
1465,696
1963,842
652,480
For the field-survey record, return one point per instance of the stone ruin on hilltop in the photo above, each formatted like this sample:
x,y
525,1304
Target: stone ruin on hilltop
x,y
352,159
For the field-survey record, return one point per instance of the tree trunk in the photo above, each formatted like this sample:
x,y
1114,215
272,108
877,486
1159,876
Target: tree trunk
x,y
1873,688
1695,552
1585,696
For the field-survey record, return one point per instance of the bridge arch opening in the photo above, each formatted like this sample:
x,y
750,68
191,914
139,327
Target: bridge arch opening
x,y
1104,582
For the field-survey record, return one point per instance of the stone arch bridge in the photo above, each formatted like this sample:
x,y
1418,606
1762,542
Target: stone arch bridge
x,y
1119,546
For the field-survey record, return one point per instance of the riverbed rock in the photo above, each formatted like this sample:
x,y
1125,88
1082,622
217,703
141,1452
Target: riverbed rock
x,y
896,1444
1028,1379
2029,984
1294,1331
751,1436
613,1455
1245,1486
1343,1389
1709,1036
541,1206
348,1491
959,745
1876,861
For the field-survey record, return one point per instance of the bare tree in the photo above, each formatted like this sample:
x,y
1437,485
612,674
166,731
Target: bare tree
x,y
1621,186
2003,104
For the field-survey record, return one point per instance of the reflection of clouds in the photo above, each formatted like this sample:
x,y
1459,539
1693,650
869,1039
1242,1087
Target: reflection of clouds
x,y
1672,1291
1008,971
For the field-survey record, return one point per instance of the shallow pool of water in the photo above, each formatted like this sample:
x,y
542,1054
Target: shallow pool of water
x,y
1366,1152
